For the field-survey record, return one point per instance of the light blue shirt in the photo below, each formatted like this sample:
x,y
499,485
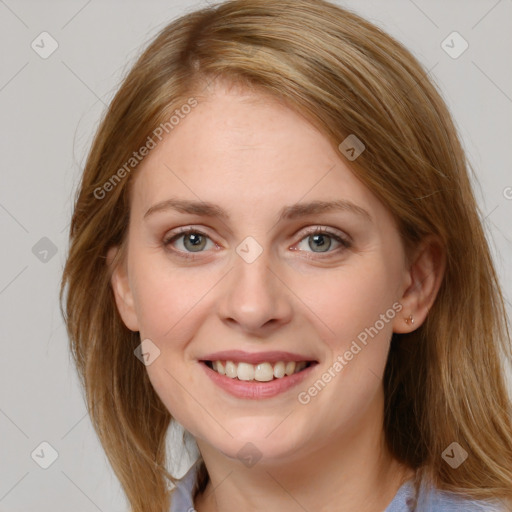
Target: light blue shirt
x,y
431,501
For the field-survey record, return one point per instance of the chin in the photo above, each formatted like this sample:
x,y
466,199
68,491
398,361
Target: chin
x,y
257,439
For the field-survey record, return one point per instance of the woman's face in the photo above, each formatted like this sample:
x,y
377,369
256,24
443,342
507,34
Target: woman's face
x,y
252,283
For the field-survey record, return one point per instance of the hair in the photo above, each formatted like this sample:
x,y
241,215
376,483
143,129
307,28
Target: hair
x,y
443,382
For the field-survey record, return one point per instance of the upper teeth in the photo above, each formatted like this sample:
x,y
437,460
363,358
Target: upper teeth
x,y
262,372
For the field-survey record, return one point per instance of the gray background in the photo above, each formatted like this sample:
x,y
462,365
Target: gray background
x,y
50,108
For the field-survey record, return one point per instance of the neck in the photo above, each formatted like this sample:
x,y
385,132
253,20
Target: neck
x,y
355,471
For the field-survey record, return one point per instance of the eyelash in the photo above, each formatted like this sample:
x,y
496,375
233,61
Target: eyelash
x,y
346,244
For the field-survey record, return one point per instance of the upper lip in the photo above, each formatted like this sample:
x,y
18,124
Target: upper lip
x,y
241,356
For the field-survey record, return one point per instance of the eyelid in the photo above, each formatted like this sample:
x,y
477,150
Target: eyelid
x,y
175,235
336,233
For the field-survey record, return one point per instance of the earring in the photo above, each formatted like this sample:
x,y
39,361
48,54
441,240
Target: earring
x,y
409,320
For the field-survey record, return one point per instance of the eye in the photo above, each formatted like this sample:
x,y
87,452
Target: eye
x,y
322,239
191,240
194,241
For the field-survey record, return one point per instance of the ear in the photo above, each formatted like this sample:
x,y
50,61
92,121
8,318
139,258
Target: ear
x,y
422,282
121,288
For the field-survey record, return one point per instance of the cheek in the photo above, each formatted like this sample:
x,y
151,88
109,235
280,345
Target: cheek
x,y
166,298
352,299
354,314
158,307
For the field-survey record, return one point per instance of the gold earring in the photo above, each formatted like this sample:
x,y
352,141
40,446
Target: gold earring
x,y
409,320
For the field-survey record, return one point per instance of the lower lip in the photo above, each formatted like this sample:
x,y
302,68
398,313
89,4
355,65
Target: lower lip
x,y
257,390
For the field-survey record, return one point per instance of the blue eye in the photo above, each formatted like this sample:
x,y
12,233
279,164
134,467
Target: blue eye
x,y
194,241
321,238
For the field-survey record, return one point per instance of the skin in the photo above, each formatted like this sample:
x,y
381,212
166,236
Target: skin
x,y
251,155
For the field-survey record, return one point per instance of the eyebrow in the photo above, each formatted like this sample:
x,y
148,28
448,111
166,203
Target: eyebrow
x,y
294,211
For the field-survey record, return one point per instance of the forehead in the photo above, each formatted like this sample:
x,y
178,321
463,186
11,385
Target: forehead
x,y
246,150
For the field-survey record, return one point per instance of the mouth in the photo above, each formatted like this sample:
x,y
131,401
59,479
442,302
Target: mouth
x,y
261,372
256,375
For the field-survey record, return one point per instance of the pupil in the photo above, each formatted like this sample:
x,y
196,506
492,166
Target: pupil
x,y
323,244
195,240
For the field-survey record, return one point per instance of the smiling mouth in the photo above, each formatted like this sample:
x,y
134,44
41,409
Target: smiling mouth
x,y
261,372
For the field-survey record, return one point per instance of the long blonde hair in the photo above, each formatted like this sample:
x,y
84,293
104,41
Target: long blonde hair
x,y
444,382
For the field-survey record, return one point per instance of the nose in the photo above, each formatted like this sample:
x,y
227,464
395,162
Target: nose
x,y
254,298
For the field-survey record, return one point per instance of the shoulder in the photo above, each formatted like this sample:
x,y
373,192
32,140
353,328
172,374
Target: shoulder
x,y
449,502
435,500
181,496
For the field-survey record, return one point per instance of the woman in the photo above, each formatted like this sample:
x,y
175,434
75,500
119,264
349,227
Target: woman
x,y
275,244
